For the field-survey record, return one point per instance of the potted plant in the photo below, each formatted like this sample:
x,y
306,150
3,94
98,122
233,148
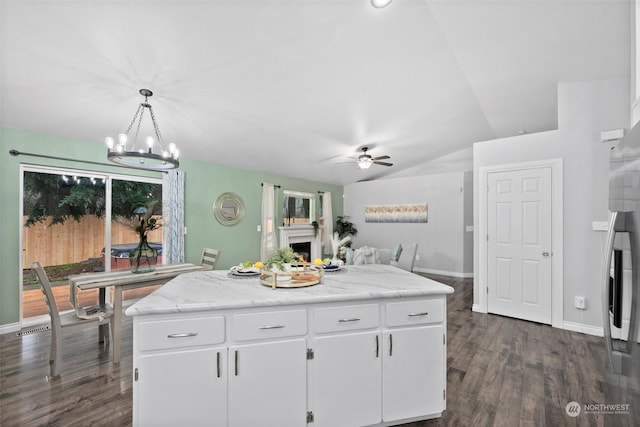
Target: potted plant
x,y
345,228
281,260
143,258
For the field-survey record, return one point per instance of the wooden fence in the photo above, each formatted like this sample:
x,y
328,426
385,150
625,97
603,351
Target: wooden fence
x,y
74,241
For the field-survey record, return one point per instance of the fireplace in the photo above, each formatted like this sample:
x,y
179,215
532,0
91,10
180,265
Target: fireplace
x,y
302,239
303,249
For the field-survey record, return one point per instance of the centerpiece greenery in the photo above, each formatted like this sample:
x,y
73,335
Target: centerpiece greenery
x,y
281,257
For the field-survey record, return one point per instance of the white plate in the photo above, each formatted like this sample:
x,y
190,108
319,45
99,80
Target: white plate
x,y
250,271
332,268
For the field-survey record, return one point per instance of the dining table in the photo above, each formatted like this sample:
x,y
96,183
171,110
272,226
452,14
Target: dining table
x,y
121,280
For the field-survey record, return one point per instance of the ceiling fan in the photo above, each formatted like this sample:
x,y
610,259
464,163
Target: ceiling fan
x,y
365,160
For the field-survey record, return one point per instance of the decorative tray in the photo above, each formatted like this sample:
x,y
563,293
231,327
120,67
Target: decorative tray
x,y
301,276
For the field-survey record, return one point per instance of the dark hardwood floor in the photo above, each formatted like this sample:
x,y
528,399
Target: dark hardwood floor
x,y
501,372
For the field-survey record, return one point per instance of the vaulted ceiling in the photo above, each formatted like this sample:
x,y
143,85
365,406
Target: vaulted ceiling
x,y
295,87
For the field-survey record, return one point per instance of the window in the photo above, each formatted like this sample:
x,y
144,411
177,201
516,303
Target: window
x,y
298,208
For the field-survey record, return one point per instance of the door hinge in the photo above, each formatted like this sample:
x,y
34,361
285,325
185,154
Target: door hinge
x,y
487,237
135,374
444,394
309,417
444,339
310,354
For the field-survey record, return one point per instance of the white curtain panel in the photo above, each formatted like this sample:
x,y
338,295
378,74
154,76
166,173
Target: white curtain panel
x,y
268,240
327,214
173,217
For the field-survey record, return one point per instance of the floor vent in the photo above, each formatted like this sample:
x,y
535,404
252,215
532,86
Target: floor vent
x,y
37,330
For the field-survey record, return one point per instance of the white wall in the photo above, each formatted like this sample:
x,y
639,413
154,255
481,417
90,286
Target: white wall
x,y
441,241
584,110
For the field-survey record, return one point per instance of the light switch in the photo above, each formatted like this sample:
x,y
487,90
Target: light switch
x,y
600,226
259,228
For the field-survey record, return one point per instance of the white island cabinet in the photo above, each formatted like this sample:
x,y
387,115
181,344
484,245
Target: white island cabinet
x,y
367,347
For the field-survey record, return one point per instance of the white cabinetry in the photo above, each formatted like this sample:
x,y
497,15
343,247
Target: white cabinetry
x,y
412,364
180,367
414,354
346,366
268,380
360,363
347,380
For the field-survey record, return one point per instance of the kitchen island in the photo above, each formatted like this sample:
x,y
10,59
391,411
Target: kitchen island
x,y
367,346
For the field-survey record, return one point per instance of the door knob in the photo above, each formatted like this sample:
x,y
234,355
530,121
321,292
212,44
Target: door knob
x,y
545,253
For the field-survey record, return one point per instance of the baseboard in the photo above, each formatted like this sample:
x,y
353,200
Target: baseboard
x,y
9,328
443,272
476,308
580,327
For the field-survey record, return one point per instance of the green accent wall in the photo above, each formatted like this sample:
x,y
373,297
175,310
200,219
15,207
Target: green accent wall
x,y
204,182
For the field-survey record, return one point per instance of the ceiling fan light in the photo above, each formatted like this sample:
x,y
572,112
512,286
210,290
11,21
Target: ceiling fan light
x,y
365,163
379,4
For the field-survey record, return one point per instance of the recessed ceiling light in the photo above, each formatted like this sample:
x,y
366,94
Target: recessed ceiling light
x,y
522,132
380,3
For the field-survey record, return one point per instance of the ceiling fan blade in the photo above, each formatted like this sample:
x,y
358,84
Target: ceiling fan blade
x,y
381,158
383,163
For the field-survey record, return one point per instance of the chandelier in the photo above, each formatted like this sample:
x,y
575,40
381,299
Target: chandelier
x,y
152,155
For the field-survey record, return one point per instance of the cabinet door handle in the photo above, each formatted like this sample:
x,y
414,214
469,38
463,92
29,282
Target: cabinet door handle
x,y
236,363
218,364
390,344
351,319
183,335
377,347
424,313
272,327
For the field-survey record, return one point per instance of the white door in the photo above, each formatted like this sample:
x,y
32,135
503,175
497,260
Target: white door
x,y
519,243
347,388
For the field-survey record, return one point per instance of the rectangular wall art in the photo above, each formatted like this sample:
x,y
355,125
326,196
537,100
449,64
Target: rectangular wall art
x,y
396,213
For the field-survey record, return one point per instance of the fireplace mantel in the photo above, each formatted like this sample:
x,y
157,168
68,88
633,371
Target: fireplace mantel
x,y
301,234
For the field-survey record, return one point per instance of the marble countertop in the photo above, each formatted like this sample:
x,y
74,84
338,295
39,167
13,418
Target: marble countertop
x,y
215,290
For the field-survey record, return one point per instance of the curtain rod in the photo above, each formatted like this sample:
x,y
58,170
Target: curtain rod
x,y
67,159
275,186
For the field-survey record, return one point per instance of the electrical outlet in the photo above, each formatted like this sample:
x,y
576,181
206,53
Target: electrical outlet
x,y
259,228
580,303
417,257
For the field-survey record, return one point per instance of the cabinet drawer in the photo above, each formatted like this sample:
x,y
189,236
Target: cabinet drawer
x,y
414,312
272,324
166,334
346,318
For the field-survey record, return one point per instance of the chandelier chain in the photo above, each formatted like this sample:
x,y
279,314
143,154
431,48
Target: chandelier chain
x,y
135,117
155,125
141,109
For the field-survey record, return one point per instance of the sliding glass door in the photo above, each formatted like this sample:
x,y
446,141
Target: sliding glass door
x,y
79,222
